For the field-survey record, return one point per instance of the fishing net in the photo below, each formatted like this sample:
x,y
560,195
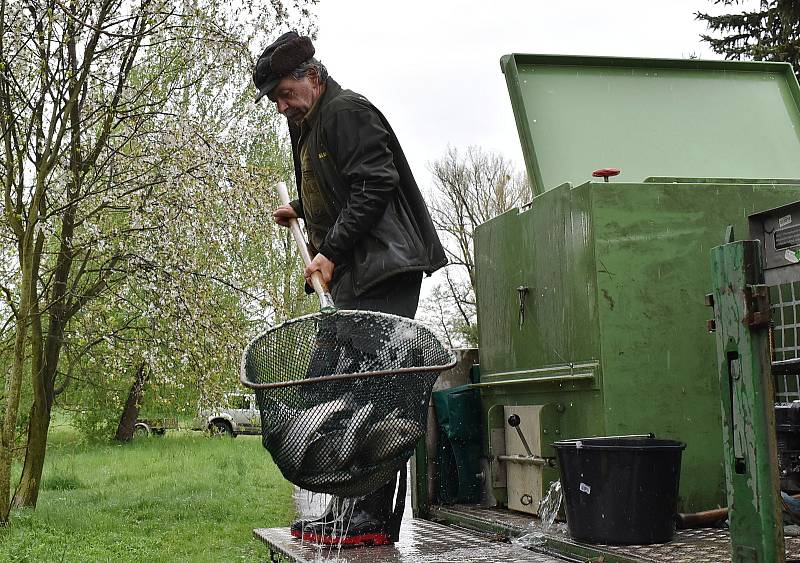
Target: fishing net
x,y
343,396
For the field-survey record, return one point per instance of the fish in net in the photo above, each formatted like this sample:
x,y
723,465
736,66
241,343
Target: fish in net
x,y
343,396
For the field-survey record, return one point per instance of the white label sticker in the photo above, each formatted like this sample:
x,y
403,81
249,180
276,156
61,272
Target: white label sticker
x,y
791,257
586,488
785,220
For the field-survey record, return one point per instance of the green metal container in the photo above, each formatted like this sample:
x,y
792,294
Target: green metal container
x,y
590,298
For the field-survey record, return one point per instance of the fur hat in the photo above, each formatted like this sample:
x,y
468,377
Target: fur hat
x,y
287,53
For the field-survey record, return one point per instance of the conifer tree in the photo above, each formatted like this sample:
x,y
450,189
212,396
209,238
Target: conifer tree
x,y
769,33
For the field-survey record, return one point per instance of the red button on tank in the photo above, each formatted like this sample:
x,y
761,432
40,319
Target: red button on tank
x,y
604,173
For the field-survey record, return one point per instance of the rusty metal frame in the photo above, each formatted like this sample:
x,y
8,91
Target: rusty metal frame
x,y
344,376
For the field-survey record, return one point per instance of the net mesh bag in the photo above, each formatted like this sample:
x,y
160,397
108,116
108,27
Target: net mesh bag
x,y
343,396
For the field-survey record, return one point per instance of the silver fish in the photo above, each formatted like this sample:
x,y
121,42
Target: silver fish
x,y
349,442
322,453
387,439
333,450
301,431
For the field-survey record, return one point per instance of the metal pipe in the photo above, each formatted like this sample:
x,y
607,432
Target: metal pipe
x,y
579,377
563,367
524,459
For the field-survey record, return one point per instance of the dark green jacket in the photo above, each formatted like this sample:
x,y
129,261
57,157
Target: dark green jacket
x,y
382,225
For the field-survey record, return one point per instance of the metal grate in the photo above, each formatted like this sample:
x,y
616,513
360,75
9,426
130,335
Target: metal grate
x,y
784,339
703,545
421,541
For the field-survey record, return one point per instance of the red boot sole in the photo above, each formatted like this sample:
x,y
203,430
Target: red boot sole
x,y
350,541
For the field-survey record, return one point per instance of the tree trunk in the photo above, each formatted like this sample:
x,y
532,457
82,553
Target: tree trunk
x,y
14,381
12,394
44,363
130,413
27,492
46,353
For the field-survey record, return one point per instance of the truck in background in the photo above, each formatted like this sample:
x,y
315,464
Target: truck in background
x,y
237,414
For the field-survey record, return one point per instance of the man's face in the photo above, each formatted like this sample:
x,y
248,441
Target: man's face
x,y
295,97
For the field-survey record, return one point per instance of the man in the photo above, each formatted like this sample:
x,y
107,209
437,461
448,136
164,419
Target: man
x,y
369,229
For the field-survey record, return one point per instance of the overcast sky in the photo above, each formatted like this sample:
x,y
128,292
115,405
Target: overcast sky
x,y
433,67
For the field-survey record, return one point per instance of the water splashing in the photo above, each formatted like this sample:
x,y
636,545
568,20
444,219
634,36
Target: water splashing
x,y
551,503
536,533
339,514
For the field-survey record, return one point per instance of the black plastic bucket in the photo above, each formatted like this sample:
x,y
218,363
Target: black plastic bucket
x,y
620,490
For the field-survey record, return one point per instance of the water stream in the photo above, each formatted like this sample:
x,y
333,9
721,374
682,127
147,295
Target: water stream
x,y
536,533
341,512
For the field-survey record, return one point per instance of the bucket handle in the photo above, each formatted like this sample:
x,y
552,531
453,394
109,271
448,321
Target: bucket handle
x,y
650,435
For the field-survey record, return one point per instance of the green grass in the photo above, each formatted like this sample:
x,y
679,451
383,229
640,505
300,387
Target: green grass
x,y
183,497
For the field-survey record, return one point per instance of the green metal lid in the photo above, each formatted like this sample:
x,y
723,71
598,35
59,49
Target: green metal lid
x,y
653,117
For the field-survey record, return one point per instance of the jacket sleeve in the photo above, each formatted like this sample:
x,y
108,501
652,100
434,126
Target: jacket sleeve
x,y
358,143
294,139
297,205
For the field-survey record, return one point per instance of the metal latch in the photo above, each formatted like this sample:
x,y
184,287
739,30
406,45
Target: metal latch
x,y
530,459
522,293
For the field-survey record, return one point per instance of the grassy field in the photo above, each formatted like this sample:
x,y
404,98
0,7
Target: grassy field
x,y
183,497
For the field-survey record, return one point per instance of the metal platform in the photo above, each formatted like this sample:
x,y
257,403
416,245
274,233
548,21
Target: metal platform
x,y
421,541
470,533
461,533
705,545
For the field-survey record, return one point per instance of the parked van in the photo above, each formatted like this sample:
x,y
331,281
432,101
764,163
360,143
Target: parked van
x,y
238,414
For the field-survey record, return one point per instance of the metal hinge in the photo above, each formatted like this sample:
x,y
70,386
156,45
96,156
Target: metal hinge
x,y
757,309
711,324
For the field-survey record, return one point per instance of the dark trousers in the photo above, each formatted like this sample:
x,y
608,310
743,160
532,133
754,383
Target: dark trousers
x,y
399,295
342,343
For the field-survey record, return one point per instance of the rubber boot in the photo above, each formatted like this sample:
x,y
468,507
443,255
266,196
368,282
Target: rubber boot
x,y
368,521
332,512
